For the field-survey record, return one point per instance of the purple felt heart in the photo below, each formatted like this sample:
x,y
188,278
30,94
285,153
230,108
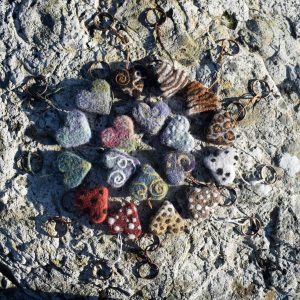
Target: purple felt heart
x,y
151,119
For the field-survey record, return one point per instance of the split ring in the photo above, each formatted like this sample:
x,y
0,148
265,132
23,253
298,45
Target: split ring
x,y
229,201
153,269
161,16
100,23
61,227
231,43
241,110
250,227
101,270
263,173
261,85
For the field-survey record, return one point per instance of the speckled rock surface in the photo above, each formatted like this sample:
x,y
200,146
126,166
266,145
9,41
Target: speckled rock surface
x,y
209,260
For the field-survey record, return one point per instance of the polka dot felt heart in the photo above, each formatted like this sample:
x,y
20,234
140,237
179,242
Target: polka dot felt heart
x,y
126,221
118,135
94,202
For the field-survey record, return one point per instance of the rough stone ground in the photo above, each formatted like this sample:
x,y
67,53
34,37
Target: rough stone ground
x,y
209,261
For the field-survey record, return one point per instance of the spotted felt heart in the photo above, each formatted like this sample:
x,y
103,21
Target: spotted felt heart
x,y
202,200
176,135
151,119
122,166
73,167
96,101
221,129
76,130
120,134
222,165
94,202
167,219
126,221
177,165
148,185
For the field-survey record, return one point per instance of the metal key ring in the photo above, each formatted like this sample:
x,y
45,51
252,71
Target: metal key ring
x,y
262,83
90,70
25,161
263,174
162,16
153,269
233,198
102,270
230,41
101,17
65,204
59,221
241,110
254,225
33,93
154,245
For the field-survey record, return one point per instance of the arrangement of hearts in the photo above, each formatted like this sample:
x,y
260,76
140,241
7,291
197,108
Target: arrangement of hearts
x,y
156,121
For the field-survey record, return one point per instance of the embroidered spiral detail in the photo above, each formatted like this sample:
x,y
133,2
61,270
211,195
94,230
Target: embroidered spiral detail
x,y
122,77
185,161
117,178
139,191
158,189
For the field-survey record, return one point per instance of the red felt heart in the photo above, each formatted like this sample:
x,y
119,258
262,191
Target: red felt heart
x,y
126,221
94,202
122,130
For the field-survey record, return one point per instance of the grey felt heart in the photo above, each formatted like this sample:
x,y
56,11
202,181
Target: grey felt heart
x,y
96,101
151,119
76,130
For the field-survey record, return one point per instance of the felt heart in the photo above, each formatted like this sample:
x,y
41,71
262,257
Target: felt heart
x,y
94,202
76,130
167,219
120,134
220,130
73,167
151,119
171,80
222,165
121,166
200,99
126,221
148,185
99,101
203,200
131,81
176,135
177,165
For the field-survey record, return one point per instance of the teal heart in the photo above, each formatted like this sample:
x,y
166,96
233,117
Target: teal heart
x,y
73,167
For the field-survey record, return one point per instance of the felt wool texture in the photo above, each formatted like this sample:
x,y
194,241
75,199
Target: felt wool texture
x,y
177,165
220,130
222,165
76,130
151,119
122,166
125,221
131,81
203,200
94,202
167,219
200,99
176,135
95,102
73,167
171,80
148,185
118,135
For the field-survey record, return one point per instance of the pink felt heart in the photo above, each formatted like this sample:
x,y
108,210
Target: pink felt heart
x,y
122,131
